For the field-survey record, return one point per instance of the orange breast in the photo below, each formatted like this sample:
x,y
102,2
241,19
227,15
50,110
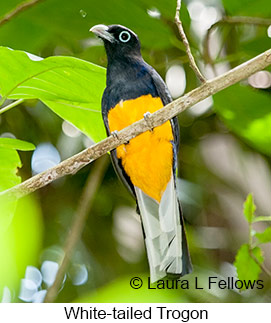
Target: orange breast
x,y
147,159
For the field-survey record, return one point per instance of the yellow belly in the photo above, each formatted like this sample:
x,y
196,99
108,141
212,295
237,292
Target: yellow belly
x,y
147,159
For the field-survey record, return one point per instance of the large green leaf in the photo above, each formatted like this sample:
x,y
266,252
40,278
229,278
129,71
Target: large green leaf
x,y
71,87
246,111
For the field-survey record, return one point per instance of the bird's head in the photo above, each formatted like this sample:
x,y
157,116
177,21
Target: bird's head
x,y
119,41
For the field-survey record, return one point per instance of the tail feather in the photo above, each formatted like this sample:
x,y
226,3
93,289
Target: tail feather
x,y
187,267
165,237
148,207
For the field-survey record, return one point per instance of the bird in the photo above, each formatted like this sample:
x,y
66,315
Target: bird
x,y
147,164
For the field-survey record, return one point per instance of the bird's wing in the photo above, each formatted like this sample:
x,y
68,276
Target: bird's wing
x,y
166,98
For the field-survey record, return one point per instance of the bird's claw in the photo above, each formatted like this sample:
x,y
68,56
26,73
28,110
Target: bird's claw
x,y
147,119
115,134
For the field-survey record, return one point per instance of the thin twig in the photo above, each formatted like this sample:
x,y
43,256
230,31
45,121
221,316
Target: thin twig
x,y
262,218
235,20
76,162
11,105
93,182
14,12
192,62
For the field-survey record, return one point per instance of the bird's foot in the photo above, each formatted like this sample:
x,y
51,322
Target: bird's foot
x,y
115,134
147,120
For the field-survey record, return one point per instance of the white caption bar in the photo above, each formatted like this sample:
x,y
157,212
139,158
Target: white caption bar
x,y
153,312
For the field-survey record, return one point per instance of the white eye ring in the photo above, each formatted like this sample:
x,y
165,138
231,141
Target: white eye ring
x,y
127,34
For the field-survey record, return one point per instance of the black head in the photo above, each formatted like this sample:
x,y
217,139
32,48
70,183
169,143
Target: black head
x,y
119,41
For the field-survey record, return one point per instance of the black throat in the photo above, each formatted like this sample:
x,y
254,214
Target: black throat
x,y
123,69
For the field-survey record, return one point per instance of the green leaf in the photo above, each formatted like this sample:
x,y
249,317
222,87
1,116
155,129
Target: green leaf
x,y
248,7
247,268
265,236
16,144
20,220
249,208
71,87
246,111
10,162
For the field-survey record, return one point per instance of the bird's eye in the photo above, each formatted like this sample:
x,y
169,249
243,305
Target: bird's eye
x,y
124,36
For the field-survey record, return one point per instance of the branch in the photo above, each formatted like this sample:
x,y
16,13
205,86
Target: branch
x,y
192,62
14,12
93,182
235,20
76,162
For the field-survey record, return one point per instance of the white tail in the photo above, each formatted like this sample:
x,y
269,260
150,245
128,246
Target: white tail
x,y
163,232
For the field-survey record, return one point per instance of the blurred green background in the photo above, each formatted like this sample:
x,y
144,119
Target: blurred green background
x,y
224,153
